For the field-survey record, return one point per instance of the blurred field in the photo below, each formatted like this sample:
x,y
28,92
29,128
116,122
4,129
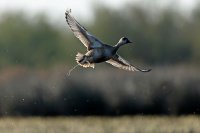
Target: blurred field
x,y
125,124
172,90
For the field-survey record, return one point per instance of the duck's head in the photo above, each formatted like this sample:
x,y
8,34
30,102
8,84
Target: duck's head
x,y
121,42
124,40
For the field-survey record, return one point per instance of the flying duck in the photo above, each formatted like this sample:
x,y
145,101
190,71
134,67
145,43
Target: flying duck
x,y
98,51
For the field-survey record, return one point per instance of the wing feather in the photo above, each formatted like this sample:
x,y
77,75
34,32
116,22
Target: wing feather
x,y
121,63
81,33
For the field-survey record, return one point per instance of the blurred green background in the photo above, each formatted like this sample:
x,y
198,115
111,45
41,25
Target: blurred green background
x,y
37,52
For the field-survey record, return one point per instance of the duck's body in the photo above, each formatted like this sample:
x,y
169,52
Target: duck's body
x,y
96,50
102,54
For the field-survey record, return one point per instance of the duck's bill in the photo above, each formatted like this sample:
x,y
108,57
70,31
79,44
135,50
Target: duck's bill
x,y
129,41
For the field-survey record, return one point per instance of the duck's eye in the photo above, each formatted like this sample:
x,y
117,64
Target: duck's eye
x,y
124,39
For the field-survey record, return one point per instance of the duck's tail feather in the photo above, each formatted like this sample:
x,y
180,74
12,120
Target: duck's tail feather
x,y
81,59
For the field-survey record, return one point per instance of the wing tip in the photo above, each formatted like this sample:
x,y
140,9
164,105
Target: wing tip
x,y
148,70
67,12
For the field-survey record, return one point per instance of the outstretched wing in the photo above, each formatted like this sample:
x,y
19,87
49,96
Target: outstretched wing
x,y
81,33
121,63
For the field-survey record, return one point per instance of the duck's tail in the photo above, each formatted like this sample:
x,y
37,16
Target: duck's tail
x,y
81,59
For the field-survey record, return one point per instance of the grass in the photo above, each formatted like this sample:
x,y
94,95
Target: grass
x,y
125,124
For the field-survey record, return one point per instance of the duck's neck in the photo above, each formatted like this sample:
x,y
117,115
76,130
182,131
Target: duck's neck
x,y
116,47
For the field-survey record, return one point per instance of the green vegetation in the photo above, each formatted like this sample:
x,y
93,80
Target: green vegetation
x,y
27,43
136,124
168,38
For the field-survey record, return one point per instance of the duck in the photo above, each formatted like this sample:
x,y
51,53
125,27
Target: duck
x,y
97,51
